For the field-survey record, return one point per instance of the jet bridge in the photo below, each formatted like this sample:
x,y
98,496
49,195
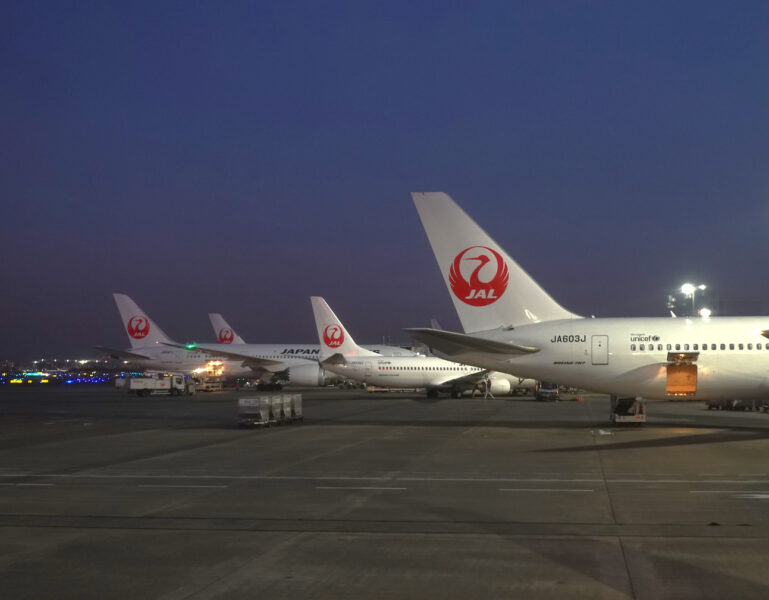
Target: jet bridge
x,y
681,374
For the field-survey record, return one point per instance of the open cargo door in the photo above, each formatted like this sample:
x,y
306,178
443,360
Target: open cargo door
x,y
682,374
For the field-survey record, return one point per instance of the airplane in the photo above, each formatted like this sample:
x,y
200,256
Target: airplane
x,y
297,364
511,324
153,350
151,347
339,353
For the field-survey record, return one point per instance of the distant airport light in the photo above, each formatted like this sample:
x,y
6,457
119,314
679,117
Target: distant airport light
x,y
705,312
690,289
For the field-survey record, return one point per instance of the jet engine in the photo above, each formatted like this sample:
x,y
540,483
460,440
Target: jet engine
x,y
311,375
500,386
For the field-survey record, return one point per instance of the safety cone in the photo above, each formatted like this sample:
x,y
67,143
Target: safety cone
x,y
579,398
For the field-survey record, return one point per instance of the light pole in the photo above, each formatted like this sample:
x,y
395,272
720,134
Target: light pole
x,y
690,289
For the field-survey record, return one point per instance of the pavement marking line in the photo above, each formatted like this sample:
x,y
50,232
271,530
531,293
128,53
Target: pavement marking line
x,y
331,487
158,485
543,490
729,491
28,484
203,477
374,478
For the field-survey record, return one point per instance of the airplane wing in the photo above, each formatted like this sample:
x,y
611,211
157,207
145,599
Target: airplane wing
x,y
469,380
122,353
248,360
458,344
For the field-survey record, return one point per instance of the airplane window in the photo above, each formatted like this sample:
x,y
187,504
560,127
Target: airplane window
x,y
678,346
750,346
723,346
712,346
642,347
669,347
659,346
696,347
686,346
731,346
632,347
758,346
739,346
651,347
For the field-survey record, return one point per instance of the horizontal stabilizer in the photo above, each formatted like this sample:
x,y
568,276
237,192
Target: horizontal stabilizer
x,y
122,353
458,344
335,359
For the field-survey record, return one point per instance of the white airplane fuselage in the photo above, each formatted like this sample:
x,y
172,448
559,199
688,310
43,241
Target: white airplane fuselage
x,y
300,359
629,356
178,360
402,372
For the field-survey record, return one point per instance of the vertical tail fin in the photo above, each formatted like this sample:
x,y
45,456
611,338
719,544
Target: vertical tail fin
x,y
332,335
141,330
224,333
488,288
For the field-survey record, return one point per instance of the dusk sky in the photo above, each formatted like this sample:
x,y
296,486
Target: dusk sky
x,y
238,157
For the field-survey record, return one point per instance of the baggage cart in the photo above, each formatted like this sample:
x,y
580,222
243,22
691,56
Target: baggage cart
x,y
254,411
296,408
276,408
286,407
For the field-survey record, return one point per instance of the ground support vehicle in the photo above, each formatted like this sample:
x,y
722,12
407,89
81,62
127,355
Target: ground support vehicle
x,y
210,385
547,391
173,385
627,410
732,404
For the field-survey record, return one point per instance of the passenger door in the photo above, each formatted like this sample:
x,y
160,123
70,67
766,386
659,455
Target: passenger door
x,y
600,349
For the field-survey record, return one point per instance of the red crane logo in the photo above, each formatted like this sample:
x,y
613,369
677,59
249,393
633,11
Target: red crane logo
x,y
226,336
333,336
138,327
474,290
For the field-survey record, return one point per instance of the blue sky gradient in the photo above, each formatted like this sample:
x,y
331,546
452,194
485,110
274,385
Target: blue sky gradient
x,y
239,157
